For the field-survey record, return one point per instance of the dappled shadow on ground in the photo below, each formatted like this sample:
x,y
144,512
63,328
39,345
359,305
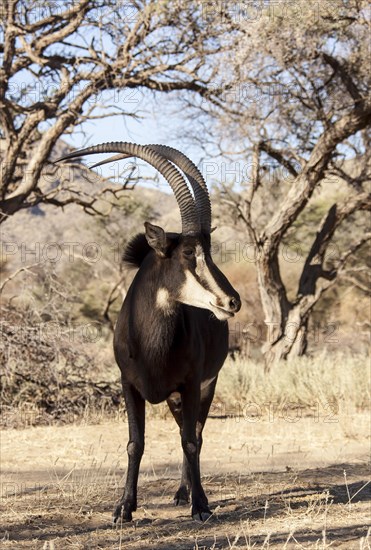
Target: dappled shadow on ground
x,y
247,508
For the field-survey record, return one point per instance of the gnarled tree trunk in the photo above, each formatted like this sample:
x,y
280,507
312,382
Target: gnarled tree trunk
x,y
287,324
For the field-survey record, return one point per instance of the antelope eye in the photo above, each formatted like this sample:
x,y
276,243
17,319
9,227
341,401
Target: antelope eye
x,y
188,252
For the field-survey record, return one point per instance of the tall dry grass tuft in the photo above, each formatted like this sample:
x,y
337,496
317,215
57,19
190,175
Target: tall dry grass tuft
x,y
324,384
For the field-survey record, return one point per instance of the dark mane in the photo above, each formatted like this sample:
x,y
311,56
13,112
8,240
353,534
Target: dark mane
x,y
136,250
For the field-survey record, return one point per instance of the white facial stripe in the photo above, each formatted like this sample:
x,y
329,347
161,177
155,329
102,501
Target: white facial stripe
x,y
200,260
163,300
204,273
194,294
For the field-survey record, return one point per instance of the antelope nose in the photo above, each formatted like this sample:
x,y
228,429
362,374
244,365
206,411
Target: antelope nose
x,y
235,304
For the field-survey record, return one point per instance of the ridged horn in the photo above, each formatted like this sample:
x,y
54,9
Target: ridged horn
x,y
193,174
196,180
188,212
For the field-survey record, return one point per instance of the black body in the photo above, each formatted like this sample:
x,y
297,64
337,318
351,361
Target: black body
x,y
171,337
172,355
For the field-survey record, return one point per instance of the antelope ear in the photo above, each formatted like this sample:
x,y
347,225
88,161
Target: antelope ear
x,y
156,238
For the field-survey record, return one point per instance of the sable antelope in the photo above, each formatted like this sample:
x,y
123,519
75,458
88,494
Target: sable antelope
x,y
171,336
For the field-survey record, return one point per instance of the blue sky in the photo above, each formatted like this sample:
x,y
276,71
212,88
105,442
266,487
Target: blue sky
x,y
161,122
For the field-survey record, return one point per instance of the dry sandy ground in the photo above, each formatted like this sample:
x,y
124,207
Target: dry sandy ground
x,y
272,484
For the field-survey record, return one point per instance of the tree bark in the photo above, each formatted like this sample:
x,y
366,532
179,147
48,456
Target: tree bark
x,y
287,323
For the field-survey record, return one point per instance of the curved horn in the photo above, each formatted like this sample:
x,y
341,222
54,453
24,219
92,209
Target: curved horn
x,y
188,213
196,180
193,174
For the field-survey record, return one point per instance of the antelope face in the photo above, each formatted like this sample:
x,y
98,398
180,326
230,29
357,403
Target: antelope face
x,y
205,285
190,275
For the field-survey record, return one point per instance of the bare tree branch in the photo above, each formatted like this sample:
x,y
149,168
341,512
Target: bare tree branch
x,y
17,272
278,156
313,268
313,172
345,77
302,98
162,48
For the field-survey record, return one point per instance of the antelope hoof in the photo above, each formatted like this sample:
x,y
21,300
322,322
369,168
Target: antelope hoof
x,y
181,497
201,516
180,501
121,515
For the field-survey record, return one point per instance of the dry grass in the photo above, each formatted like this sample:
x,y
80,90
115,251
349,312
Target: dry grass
x,y
59,486
284,465
323,385
326,386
